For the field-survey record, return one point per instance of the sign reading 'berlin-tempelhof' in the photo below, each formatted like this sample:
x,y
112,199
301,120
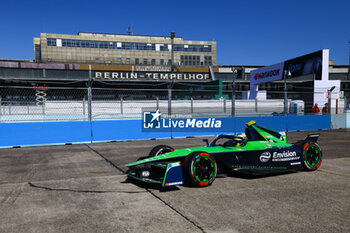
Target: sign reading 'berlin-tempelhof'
x,y
151,76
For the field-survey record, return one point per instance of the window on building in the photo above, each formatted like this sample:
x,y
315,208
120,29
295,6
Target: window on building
x,y
169,62
145,61
119,60
51,42
111,45
128,45
190,60
207,60
127,60
37,52
161,61
137,61
153,61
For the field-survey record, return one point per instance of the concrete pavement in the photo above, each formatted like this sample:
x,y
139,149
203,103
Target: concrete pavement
x,y
82,188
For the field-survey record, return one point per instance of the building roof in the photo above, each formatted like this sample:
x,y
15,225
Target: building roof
x,y
98,33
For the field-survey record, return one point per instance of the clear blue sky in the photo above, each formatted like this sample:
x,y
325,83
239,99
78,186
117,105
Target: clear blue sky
x,y
247,32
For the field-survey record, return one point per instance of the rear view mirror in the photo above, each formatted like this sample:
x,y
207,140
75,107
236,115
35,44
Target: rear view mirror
x,y
206,141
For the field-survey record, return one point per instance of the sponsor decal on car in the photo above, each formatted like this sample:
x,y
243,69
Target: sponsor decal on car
x,y
174,183
284,156
174,165
265,156
258,167
279,156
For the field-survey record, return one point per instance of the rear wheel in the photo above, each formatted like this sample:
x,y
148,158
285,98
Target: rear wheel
x,y
199,169
312,156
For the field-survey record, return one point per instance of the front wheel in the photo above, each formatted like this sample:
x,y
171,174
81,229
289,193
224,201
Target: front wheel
x,y
158,150
199,169
312,156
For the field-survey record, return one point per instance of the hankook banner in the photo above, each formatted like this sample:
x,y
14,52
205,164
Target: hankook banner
x,y
267,74
307,64
313,63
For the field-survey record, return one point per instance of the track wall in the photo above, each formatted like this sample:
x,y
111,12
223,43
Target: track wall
x,y
62,132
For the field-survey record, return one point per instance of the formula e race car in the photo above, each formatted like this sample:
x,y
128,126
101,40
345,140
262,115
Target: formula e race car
x,y
258,151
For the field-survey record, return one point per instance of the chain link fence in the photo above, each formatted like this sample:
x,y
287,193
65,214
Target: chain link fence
x,y
43,103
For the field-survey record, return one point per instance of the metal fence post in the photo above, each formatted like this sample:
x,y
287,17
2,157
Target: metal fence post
x,y
90,95
0,105
330,103
121,106
344,110
84,106
256,104
224,105
336,106
89,103
191,105
169,99
43,108
286,74
233,107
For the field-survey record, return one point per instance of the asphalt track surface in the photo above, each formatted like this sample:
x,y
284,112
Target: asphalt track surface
x,y
82,188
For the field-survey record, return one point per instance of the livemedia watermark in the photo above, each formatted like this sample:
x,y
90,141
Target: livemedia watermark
x,y
154,121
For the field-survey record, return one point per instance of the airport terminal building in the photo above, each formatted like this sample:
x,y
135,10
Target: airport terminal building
x,y
140,67
98,48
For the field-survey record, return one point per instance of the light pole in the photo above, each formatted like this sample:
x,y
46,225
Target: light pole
x,y
349,62
172,36
233,106
90,95
170,85
330,99
286,75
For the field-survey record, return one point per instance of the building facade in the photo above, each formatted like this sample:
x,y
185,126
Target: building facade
x,y
99,48
139,68
17,73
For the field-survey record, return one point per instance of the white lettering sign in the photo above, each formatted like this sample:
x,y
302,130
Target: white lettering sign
x,y
151,76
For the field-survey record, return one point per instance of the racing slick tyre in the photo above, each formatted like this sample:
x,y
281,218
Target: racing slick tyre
x,y
158,150
312,156
199,169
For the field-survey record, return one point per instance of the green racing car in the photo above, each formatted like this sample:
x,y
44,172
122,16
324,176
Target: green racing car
x,y
258,151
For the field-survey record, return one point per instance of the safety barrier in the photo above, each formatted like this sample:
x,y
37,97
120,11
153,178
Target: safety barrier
x,y
63,132
340,121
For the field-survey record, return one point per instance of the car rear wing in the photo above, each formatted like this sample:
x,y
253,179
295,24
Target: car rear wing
x,y
312,137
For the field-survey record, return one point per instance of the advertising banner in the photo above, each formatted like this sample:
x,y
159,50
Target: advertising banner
x,y
313,63
267,74
308,64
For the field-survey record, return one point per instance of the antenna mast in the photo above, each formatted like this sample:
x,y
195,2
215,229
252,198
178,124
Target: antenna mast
x,y
130,30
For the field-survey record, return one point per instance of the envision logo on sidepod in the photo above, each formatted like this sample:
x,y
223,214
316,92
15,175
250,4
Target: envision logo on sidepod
x,y
265,156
